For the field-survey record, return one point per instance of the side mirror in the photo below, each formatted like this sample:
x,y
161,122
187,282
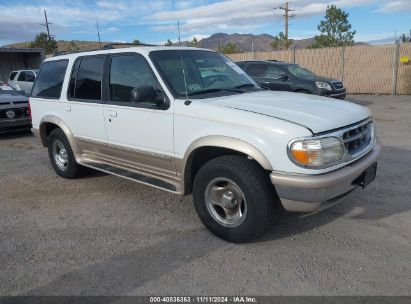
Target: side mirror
x,y
283,77
143,94
21,92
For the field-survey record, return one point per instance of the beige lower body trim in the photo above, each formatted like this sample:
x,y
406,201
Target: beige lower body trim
x,y
154,166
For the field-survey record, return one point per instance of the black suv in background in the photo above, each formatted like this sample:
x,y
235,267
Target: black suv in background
x,y
283,76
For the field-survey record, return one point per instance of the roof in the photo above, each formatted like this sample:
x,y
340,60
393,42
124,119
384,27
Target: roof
x,y
267,61
142,49
20,50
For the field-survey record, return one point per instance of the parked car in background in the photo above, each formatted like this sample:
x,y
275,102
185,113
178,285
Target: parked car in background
x,y
188,120
283,76
22,80
14,110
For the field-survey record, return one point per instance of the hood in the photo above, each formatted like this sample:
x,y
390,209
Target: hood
x,y
316,113
7,98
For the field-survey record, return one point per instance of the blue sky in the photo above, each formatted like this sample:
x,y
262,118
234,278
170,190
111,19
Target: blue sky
x,y
155,21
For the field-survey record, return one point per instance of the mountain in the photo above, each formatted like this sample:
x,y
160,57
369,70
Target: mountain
x,y
262,43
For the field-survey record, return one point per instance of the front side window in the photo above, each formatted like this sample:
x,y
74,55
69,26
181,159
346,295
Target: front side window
x,y
298,71
88,81
126,73
274,72
30,77
50,79
198,73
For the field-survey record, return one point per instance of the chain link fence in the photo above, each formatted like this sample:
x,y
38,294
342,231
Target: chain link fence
x,y
365,69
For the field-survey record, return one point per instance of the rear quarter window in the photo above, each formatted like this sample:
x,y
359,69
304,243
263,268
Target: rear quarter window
x,y
50,79
12,75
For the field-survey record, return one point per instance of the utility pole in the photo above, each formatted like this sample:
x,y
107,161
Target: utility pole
x,y
46,25
287,16
179,37
98,34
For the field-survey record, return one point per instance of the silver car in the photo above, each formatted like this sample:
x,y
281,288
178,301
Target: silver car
x,y
23,80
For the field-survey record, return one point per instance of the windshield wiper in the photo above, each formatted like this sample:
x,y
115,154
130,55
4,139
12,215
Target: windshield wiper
x,y
246,85
215,90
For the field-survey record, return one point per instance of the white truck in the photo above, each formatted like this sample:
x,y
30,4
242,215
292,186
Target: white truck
x,y
188,120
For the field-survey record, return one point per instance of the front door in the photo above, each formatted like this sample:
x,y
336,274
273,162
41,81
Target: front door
x,y
140,135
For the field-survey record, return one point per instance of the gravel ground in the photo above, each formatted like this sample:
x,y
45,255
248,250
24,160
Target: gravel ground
x,y
102,235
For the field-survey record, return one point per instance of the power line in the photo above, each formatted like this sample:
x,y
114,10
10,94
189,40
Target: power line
x,y
287,16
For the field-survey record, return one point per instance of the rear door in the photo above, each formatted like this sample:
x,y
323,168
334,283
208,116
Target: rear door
x,y
83,109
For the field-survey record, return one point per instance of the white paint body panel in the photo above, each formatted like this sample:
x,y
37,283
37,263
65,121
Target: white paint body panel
x,y
266,120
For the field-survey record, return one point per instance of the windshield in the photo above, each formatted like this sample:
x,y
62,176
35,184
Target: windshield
x,y
298,71
6,89
204,73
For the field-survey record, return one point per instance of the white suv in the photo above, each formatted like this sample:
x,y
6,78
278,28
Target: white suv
x,y
188,120
22,80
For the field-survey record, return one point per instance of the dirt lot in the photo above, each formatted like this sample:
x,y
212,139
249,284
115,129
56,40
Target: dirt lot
x,y
102,235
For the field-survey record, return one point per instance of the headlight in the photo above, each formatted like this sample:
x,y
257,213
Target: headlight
x,y
323,85
316,152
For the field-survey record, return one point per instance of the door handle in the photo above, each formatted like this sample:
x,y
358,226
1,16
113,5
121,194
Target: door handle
x,y
67,108
112,113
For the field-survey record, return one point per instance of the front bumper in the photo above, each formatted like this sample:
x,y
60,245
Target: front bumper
x,y
306,193
339,94
18,124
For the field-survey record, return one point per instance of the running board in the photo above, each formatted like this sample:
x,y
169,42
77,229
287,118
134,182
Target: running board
x,y
151,181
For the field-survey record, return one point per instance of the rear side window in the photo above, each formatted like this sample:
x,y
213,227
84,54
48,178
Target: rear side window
x,y
87,84
22,76
257,70
12,75
50,79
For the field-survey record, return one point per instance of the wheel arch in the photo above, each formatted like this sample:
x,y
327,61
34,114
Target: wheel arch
x,y
209,147
51,122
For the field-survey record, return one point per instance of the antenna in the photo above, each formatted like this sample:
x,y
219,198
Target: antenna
x,y
179,37
287,16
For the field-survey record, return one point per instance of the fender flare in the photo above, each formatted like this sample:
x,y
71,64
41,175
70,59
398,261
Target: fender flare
x,y
63,126
228,143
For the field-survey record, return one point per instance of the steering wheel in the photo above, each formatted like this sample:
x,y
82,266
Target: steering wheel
x,y
218,78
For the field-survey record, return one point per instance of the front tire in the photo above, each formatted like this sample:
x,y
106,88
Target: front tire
x,y
234,198
61,155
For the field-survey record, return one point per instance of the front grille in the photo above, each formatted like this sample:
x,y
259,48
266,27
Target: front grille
x,y
337,85
18,113
357,139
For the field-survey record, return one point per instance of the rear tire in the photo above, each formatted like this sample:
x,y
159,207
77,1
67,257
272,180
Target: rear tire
x,y
61,155
234,198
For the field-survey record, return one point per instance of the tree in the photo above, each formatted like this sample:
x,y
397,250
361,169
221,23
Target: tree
x,y
136,41
280,42
404,38
168,43
335,29
229,48
194,42
41,41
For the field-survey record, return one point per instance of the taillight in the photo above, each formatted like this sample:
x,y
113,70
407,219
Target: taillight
x,y
29,109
